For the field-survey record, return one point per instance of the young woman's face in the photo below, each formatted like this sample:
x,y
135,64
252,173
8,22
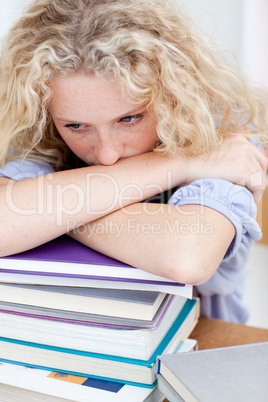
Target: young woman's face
x,y
98,124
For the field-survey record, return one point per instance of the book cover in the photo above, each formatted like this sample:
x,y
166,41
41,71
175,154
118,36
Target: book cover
x,y
133,371
235,373
115,302
137,343
63,260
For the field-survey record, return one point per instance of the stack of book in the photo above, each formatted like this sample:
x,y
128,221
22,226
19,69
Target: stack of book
x,y
89,319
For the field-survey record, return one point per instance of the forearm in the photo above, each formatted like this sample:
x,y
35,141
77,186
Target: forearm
x,y
36,210
185,244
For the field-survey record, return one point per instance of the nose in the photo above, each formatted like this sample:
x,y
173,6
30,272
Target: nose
x,y
109,149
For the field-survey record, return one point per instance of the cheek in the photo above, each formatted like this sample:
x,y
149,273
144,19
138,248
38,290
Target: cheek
x,y
80,148
75,144
148,139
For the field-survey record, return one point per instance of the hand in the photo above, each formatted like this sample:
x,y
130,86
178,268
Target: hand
x,y
235,160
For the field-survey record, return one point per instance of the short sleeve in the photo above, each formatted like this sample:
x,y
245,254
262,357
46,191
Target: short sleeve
x,y
24,169
233,201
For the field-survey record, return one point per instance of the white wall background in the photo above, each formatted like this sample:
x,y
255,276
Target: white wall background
x,y
221,20
9,10
238,25
255,40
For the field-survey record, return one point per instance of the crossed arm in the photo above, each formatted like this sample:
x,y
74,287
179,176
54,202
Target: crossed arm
x,y
164,239
115,194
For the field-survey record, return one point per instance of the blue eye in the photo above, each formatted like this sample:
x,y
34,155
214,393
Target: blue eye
x,y
131,119
73,126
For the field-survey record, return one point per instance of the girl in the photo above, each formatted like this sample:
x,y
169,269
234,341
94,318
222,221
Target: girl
x,y
106,103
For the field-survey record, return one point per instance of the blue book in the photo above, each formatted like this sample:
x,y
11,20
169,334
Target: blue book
x,y
106,367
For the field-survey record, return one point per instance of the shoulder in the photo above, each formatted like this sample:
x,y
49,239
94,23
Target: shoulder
x,y
18,169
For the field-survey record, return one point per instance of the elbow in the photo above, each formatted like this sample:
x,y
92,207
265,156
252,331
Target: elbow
x,y
193,262
189,271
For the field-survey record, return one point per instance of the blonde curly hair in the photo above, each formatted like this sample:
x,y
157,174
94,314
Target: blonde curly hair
x,y
149,47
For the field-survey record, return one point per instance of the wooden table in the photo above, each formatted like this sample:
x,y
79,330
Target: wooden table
x,y
212,333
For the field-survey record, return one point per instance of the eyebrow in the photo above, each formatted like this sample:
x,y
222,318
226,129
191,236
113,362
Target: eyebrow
x,y
142,109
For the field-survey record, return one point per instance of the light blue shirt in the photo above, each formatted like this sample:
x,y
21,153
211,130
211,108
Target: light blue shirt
x,y
222,295
20,170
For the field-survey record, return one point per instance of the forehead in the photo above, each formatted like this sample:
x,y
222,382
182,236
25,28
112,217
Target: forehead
x,y
86,85
86,93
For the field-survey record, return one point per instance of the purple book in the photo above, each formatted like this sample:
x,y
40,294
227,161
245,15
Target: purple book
x,y
66,262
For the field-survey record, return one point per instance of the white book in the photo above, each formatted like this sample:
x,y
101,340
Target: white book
x,y
24,384
122,303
